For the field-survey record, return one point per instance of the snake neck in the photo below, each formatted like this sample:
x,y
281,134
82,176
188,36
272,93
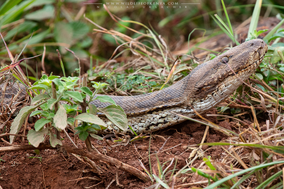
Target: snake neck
x,y
172,96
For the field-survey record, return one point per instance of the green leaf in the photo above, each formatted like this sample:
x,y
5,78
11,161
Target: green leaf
x,y
37,38
39,86
37,112
95,127
24,27
86,90
39,98
36,137
51,102
117,115
58,82
281,69
259,76
19,120
105,99
90,118
83,135
63,33
75,95
93,109
86,42
47,114
60,118
40,123
96,136
98,85
70,108
70,120
80,29
45,13
53,140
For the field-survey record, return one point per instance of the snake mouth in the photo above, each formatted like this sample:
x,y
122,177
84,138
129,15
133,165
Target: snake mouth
x,y
251,67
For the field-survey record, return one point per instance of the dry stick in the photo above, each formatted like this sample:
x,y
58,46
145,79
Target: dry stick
x,y
55,106
262,83
91,155
255,119
110,183
84,110
42,60
8,134
226,116
94,185
239,159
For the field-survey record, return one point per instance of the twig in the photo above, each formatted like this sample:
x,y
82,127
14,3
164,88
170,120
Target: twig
x,y
94,185
110,183
70,138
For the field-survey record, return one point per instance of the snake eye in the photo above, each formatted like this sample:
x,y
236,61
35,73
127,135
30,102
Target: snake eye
x,y
225,60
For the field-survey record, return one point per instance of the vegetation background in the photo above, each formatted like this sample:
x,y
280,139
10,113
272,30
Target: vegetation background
x,y
59,24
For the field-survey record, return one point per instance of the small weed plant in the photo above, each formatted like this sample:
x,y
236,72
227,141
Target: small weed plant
x,y
61,101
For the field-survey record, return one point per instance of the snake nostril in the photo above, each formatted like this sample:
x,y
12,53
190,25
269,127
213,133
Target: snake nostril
x,y
251,44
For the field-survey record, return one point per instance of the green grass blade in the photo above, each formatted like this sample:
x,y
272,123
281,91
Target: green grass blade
x,y
209,164
227,17
8,5
159,167
243,179
273,31
161,182
278,149
277,186
18,10
224,28
254,19
269,180
216,184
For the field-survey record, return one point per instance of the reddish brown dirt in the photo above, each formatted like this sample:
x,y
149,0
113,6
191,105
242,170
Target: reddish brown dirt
x,y
51,169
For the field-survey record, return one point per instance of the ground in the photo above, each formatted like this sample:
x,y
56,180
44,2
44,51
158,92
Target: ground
x,y
51,169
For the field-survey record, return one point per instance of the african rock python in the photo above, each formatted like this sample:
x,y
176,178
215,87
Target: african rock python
x,y
206,86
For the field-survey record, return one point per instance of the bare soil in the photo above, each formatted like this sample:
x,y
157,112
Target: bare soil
x,y
52,169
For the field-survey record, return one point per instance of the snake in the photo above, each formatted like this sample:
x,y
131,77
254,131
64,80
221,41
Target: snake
x,y
204,88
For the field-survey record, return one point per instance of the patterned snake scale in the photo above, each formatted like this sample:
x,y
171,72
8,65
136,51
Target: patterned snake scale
x,y
206,86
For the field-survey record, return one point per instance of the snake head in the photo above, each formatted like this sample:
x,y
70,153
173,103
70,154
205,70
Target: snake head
x,y
240,61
